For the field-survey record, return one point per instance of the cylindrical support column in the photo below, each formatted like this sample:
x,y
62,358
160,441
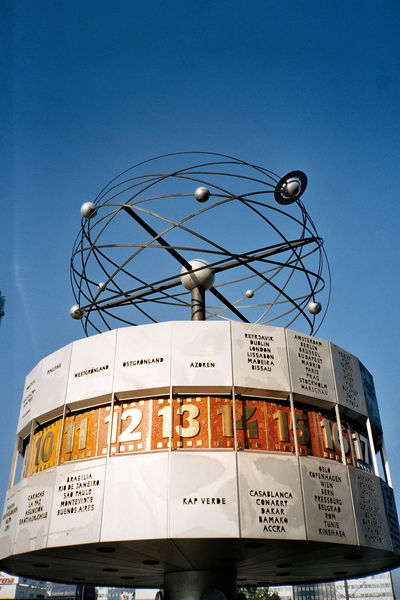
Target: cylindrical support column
x,y
198,303
85,592
200,585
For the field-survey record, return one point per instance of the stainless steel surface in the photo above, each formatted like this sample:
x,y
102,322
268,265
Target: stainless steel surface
x,y
310,366
327,501
370,397
290,187
76,312
199,275
349,385
200,585
314,307
202,194
391,515
144,563
271,499
371,522
198,299
88,210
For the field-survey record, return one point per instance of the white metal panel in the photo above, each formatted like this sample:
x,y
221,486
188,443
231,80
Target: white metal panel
x,y
29,396
391,515
135,499
77,503
53,383
92,367
369,508
370,396
201,355
34,511
271,503
327,501
259,358
349,384
143,358
9,521
310,366
203,495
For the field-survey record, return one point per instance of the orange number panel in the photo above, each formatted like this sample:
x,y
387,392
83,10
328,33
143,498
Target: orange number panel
x,y
106,429
161,429
325,438
67,439
348,449
43,449
361,449
279,427
303,432
131,429
195,422
221,423
250,424
190,423
79,440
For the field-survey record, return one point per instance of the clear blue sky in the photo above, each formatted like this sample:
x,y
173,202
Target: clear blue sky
x,y
89,88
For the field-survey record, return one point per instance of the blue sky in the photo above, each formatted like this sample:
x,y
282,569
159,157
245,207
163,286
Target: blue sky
x,y
91,88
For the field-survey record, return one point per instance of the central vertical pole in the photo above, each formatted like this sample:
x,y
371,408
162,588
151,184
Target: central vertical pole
x,y
85,592
198,303
200,585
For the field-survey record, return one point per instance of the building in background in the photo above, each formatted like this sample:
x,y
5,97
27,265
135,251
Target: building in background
x,y
367,588
59,591
8,585
376,587
21,587
317,591
285,591
116,593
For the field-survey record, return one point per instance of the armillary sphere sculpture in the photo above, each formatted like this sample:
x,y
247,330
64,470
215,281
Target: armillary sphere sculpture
x,y
167,229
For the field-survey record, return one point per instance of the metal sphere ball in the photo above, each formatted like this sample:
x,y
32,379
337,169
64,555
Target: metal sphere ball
x,y
88,210
202,194
292,188
204,277
250,293
102,286
76,312
314,308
